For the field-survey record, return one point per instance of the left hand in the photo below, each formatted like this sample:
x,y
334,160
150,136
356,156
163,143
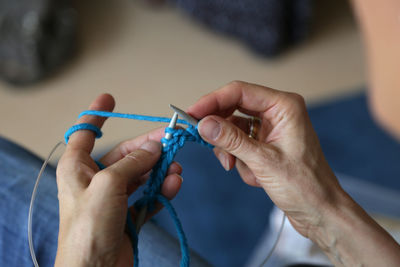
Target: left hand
x,y
94,203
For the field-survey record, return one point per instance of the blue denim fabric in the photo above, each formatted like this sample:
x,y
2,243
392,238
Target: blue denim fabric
x,y
18,171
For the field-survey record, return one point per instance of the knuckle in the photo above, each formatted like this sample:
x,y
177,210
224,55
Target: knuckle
x,y
236,84
297,98
68,164
296,101
138,156
124,148
72,154
109,176
233,140
61,168
133,158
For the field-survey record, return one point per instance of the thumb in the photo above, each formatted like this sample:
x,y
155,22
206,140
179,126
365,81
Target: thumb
x,y
225,135
127,172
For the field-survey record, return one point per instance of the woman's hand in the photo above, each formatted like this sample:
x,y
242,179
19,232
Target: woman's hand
x,y
286,159
94,203
287,162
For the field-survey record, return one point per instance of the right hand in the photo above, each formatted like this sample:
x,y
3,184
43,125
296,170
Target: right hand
x,y
286,159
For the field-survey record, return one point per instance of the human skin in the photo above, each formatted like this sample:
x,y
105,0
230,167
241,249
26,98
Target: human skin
x,y
380,27
286,160
93,203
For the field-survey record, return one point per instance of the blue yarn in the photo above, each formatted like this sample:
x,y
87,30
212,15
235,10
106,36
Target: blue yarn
x,y
152,193
82,126
129,116
185,261
100,165
134,238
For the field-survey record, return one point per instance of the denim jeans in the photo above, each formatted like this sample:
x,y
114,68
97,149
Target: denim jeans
x,y
18,171
19,168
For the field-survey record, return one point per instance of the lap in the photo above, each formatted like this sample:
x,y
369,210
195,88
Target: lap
x,y
18,171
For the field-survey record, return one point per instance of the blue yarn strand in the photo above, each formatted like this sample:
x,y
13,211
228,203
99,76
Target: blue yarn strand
x,y
134,238
129,116
185,261
152,193
100,165
83,126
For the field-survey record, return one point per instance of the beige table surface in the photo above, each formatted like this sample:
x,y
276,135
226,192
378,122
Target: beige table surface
x,y
148,58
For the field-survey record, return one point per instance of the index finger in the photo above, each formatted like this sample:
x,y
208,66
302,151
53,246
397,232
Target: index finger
x,y
84,139
249,98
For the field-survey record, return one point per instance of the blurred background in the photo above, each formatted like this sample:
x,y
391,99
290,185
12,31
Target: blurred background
x,y
149,54
56,57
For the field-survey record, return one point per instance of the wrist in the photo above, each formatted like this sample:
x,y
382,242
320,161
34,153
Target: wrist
x,y
335,223
74,253
78,247
350,237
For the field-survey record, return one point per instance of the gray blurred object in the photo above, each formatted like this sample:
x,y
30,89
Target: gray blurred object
x,y
266,26
36,37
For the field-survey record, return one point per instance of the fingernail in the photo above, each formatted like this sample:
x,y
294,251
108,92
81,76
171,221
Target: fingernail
x,y
225,161
180,177
209,129
151,146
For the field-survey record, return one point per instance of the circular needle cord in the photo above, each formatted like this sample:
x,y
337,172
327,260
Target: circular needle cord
x,y
34,192
276,241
